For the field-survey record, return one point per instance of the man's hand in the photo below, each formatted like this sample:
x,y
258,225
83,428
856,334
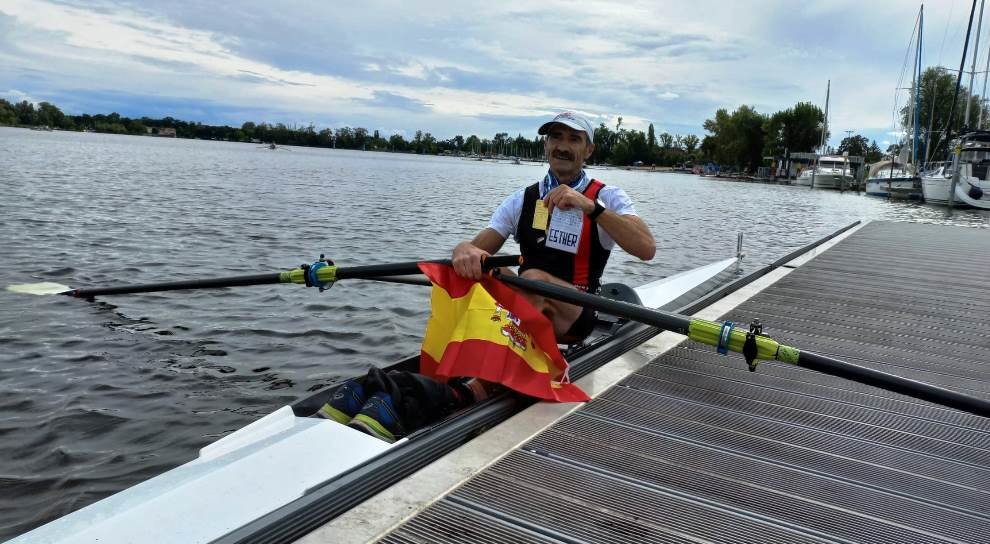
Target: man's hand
x,y
565,198
467,260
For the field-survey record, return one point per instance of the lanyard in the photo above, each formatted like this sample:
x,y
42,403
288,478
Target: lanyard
x,y
550,182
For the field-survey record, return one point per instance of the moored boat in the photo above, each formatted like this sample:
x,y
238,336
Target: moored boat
x,y
831,172
890,179
289,464
972,189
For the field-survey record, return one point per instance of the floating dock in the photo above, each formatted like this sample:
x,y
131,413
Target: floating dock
x,y
681,444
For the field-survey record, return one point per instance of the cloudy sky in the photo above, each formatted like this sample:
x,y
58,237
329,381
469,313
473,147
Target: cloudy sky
x,y
471,67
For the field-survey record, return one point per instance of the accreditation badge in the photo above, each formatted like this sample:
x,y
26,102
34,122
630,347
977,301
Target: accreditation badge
x,y
565,229
540,215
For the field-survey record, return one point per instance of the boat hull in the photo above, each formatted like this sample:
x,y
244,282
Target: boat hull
x,y
288,464
826,181
936,190
903,188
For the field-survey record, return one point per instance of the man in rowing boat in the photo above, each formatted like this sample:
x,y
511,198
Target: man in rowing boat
x,y
566,226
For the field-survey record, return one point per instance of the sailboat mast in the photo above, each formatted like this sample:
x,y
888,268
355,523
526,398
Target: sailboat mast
x,y
962,66
952,109
828,89
821,145
983,95
972,69
916,87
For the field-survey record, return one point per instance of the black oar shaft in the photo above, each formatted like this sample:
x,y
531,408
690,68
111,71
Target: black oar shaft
x,y
404,269
897,384
407,280
812,361
353,272
233,281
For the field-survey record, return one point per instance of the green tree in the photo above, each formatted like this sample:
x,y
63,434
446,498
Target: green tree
x,y
49,115
631,146
873,153
135,127
691,143
856,145
472,144
604,140
796,129
666,141
736,139
397,143
7,114
936,88
360,138
25,113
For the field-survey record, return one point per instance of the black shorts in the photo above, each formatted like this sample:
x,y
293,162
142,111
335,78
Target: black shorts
x,y
582,326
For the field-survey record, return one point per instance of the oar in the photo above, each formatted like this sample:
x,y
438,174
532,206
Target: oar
x,y
753,345
319,274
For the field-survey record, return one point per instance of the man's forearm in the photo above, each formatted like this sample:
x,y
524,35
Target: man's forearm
x,y
488,240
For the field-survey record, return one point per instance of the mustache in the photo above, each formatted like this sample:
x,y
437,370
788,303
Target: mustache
x,y
562,155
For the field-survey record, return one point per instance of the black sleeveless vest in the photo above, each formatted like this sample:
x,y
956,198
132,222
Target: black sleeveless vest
x,y
583,269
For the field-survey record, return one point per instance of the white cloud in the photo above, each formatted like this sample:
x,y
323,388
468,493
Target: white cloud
x,y
13,95
645,62
415,70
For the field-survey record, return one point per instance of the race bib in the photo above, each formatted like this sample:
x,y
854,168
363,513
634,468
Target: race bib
x,y
565,230
540,216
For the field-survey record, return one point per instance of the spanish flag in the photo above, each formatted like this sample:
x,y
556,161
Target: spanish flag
x,y
488,331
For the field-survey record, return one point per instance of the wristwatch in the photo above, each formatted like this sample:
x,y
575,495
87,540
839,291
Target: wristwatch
x,y
599,208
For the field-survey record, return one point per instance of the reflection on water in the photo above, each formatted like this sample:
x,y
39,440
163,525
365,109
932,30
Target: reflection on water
x,y
99,396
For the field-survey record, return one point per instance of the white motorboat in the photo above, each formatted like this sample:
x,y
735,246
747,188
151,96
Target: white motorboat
x,y
831,172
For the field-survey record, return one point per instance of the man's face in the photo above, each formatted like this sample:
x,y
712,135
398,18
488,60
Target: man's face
x,y
567,149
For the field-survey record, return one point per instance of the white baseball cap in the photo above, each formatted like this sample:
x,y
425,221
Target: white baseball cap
x,y
573,120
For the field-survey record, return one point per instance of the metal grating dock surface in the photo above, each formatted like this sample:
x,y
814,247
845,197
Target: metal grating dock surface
x,y
694,448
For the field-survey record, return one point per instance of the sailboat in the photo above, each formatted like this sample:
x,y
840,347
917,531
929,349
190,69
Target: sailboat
x,y
965,182
829,172
898,178
893,179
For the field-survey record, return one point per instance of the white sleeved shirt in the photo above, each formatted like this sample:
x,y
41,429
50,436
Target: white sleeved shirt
x,y
506,216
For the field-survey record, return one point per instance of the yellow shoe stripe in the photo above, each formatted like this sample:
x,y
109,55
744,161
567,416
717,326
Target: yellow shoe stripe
x,y
331,413
376,428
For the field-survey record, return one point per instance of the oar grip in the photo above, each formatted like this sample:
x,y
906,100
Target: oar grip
x,y
492,262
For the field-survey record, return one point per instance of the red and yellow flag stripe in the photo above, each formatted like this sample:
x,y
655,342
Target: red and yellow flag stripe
x,y
489,331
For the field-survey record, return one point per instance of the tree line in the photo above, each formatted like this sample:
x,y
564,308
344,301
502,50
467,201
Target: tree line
x,y
742,138
739,139
620,146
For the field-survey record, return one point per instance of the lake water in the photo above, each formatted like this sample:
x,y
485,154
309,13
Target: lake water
x,y
100,396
